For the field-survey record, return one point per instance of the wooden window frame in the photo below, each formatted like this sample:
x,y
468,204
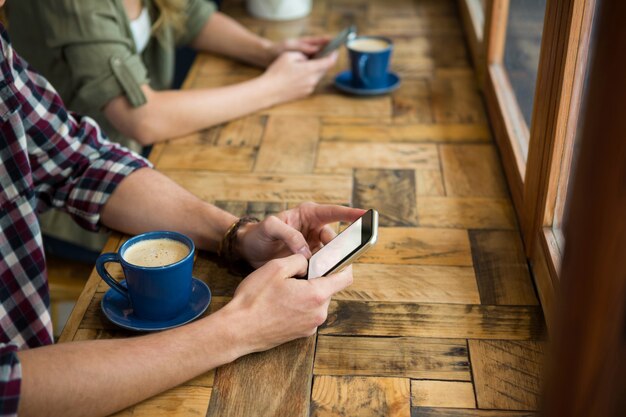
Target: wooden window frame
x,y
538,183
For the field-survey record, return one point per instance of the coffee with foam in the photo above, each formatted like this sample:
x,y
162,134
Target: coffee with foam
x,y
156,252
368,45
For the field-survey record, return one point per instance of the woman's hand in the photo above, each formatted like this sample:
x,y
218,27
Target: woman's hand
x,y
293,76
308,45
301,230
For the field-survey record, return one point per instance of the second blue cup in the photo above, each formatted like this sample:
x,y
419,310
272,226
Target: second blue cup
x,y
369,61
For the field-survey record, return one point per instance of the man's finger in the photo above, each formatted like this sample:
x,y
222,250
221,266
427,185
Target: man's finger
x,y
335,282
330,213
327,234
278,230
290,266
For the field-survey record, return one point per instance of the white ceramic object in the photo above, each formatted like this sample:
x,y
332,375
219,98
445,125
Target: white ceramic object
x,y
279,9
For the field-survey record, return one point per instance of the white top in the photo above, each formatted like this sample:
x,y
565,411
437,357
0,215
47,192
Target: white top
x,y
141,28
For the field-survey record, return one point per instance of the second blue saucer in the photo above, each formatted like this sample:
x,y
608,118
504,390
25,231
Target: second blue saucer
x,y
343,82
118,310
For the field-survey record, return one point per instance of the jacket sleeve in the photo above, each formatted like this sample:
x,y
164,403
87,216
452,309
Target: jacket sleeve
x,y
74,167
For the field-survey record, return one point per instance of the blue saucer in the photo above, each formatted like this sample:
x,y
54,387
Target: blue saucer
x,y
117,308
343,81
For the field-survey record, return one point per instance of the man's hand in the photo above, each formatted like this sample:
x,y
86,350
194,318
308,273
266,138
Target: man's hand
x,y
302,230
270,307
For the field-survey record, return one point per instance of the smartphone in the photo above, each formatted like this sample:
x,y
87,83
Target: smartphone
x,y
343,37
346,247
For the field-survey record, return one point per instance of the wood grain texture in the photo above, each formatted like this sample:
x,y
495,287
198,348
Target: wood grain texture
x,y
211,186
433,320
180,401
458,412
451,394
412,357
245,131
209,158
258,209
420,246
466,213
429,183
337,129
289,145
501,268
216,274
360,396
419,26
472,171
424,157
376,188
272,383
411,103
456,97
85,300
507,373
412,283
341,157
334,105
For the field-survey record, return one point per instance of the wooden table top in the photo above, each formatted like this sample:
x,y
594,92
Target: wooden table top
x,y
442,318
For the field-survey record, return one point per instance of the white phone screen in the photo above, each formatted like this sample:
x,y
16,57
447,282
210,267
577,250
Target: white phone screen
x,y
337,249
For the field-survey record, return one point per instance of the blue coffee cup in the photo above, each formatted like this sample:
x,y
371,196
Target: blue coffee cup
x,y
369,61
155,292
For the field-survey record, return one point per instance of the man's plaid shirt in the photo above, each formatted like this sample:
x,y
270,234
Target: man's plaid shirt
x,y
49,157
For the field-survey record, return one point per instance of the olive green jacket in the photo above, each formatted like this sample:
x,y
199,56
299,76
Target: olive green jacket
x,y
85,48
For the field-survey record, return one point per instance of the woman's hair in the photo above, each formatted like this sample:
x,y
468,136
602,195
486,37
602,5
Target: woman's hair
x,y
172,14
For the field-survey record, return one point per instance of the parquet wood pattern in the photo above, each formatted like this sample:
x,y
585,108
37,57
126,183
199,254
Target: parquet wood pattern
x,y
437,394
442,319
507,374
412,357
348,396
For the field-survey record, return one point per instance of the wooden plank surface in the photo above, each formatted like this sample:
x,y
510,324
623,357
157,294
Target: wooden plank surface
x,y
289,145
342,156
507,373
411,357
456,98
420,246
211,186
412,283
458,412
272,383
472,171
411,103
337,129
501,268
448,265
180,402
429,183
369,318
360,396
85,300
466,213
453,394
334,105
376,188
209,158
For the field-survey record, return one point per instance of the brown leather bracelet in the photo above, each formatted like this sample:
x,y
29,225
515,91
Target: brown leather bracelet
x,y
228,241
